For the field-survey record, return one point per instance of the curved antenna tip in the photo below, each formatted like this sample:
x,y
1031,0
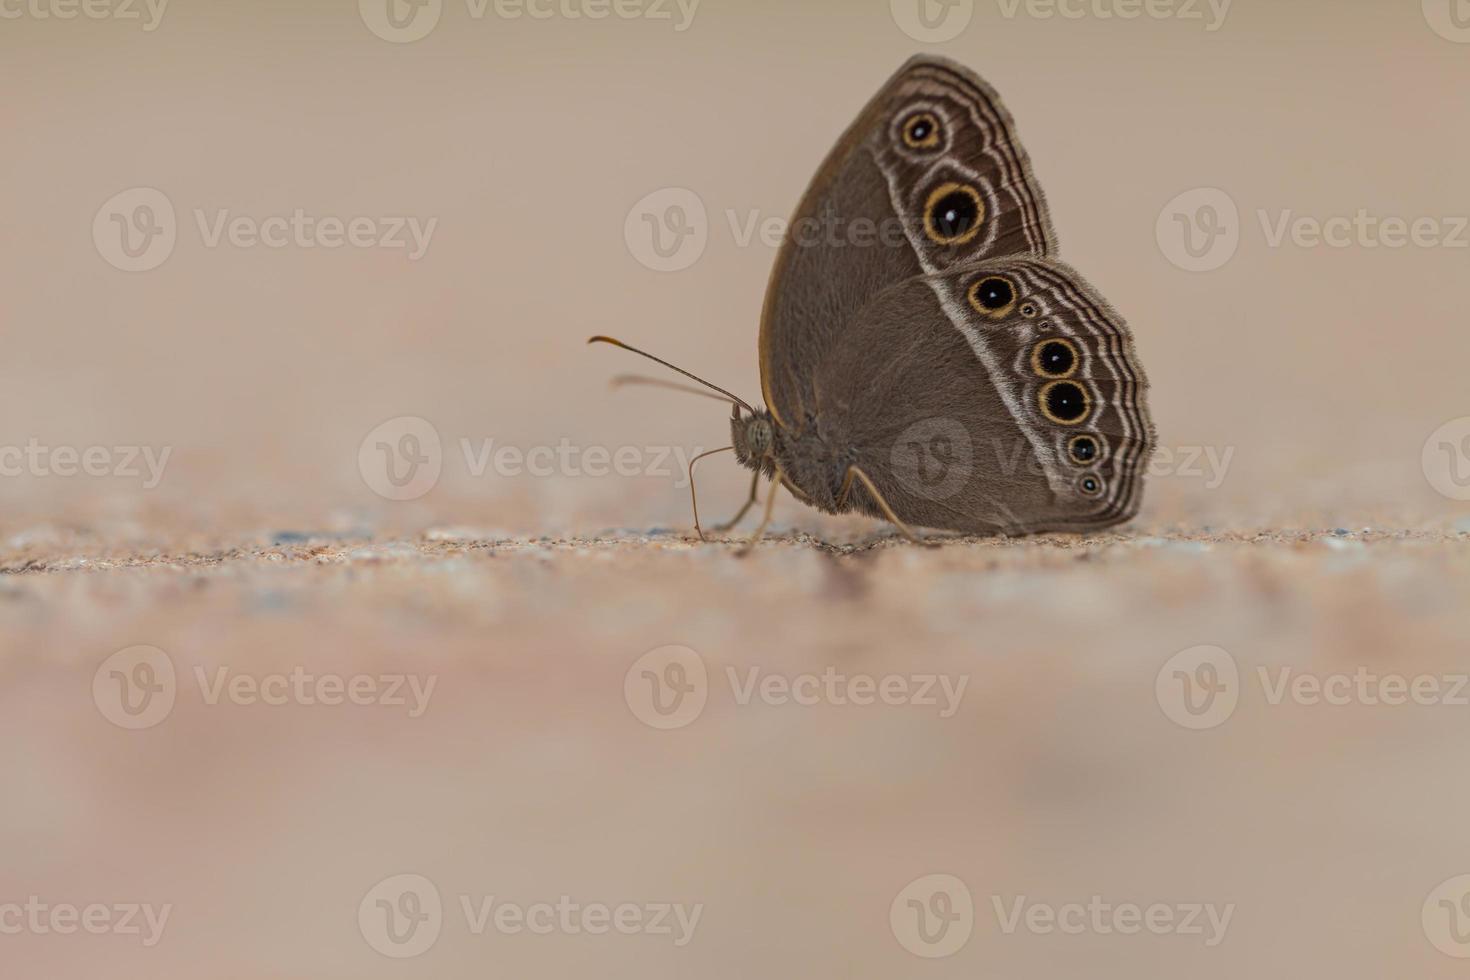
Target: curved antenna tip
x,y
599,338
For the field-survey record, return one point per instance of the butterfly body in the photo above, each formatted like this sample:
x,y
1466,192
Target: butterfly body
x,y
813,463
924,355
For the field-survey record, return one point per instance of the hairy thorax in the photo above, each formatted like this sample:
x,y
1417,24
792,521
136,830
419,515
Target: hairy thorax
x,y
811,463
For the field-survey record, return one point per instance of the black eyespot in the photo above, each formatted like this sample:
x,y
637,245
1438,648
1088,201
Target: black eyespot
x,y
1083,450
1064,402
953,214
921,131
1054,359
1028,310
993,295
1090,486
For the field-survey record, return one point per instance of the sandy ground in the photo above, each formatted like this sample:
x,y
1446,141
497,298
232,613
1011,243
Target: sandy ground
x,y
1033,745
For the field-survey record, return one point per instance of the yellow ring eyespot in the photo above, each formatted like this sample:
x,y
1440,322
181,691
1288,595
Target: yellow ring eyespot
x,y
921,131
953,214
993,296
1090,486
1064,402
1084,449
1055,358
1029,310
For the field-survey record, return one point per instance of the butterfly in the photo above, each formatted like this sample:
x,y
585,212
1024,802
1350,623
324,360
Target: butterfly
x,y
924,356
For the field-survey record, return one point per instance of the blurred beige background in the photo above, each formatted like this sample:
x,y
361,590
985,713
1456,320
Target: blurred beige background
x,y
529,141
1317,544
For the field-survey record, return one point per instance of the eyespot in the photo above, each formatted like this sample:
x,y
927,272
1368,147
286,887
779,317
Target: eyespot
x,y
993,296
1029,310
1064,402
921,131
1090,486
1054,358
953,214
1084,450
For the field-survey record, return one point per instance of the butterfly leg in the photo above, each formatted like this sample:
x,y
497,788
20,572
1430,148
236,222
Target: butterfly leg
x,y
749,503
904,529
693,497
846,488
760,531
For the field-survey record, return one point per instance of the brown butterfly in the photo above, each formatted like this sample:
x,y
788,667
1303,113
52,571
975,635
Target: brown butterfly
x,y
923,356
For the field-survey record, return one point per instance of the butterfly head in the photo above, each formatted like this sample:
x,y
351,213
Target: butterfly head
x,y
754,437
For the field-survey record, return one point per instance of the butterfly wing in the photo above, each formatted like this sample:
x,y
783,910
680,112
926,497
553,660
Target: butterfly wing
x,y
930,176
979,383
1003,396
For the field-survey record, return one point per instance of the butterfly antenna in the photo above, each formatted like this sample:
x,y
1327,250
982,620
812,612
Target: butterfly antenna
x,y
630,380
618,343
